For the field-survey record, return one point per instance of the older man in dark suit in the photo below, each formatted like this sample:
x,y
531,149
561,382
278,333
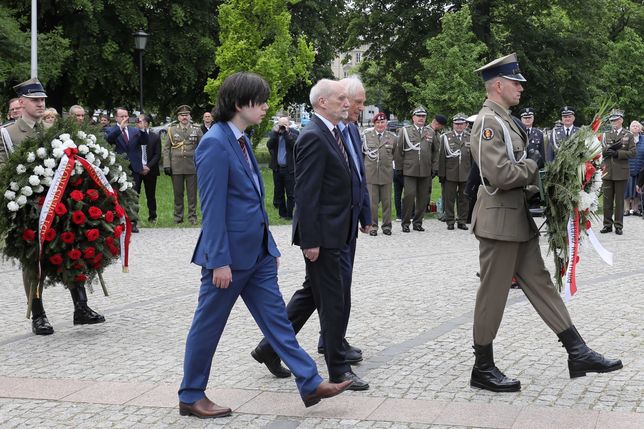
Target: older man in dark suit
x,y
151,168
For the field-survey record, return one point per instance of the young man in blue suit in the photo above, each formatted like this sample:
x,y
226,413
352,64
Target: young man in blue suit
x,y
237,252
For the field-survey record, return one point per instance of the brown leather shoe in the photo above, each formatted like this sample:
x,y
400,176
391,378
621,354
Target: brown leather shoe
x,y
326,390
204,409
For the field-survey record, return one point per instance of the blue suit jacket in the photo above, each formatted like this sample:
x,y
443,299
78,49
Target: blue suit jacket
x,y
132,149
361,207
235,224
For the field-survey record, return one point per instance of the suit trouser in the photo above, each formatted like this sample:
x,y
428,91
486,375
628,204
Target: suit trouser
x,y
190,181
454,193
303,304
29,280
614,197
399,183
499,262
381,194
283,184
149,182
416,191
259,289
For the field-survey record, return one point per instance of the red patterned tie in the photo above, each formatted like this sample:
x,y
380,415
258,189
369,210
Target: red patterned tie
x,y
125,137
242,145
336,133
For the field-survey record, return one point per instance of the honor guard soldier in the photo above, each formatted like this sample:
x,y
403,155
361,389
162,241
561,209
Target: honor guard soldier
x,y
414,155
509,238
378,148
179,162
32,100
454,164
535,136
560,134
619,147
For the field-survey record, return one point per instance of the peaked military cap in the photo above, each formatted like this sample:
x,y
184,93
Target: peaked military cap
x,y
472,118
419,111
380,116
183,109
31,88
441,119
507,67
459,118
527,112
567,110
616,114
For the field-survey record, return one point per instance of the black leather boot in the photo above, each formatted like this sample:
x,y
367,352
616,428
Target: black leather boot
x,y
273,363
39,323
581,358
485,375
83,315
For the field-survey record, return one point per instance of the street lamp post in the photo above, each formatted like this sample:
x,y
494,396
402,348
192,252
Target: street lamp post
x,y
140,40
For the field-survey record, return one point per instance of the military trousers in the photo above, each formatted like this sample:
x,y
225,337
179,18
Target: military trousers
x,y
416,192
381,194
614,199
189,183
455,194
499,262
399,183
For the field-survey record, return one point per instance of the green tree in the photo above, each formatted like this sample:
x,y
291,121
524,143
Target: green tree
x,y
255,37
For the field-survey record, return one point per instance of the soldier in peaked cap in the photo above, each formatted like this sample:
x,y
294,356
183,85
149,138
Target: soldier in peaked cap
x,y
508,237
414,155
535,135
558,135
619,147
454,164
179,163
378,149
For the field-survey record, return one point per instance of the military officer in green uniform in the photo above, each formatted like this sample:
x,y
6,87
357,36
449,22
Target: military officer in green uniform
x,y
415,154
179,162
378,149
619,147
454,164
509,238
32,100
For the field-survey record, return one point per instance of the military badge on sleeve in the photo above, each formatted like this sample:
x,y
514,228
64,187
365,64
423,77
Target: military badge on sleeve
x,y
488,133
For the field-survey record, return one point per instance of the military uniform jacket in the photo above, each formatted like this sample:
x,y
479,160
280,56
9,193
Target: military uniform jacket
x,y
179,148
18,132
415,151
504,215
378,156
454,157
617,168
555,139
536,142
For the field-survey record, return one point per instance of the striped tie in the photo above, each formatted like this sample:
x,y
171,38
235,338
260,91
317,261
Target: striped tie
x,y
338,140
242,145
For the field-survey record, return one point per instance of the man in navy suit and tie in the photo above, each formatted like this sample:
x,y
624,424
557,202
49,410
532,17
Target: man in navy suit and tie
x,y
130,141
237,252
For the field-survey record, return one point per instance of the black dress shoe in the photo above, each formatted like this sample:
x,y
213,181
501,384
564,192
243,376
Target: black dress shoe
x,y
405,228
373,232
347,347
606,229
618,230
386,231
462,226
41,326
134,228
418,228
86,316
581,358
358,383
485,374
450,227
352,357
274,365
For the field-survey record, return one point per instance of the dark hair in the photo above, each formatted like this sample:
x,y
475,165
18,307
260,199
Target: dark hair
x,y
116,110
239,90
147,118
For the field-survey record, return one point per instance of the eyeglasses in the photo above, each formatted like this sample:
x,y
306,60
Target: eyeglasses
x,y
15,109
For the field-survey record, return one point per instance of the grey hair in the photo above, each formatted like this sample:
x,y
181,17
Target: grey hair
x,y
353,85
76,106
322,89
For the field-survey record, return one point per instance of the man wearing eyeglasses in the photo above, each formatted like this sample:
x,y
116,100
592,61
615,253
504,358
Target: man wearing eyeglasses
x,y
14,111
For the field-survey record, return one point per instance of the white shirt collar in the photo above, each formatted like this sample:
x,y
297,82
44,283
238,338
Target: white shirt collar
x,y
328,123
235,130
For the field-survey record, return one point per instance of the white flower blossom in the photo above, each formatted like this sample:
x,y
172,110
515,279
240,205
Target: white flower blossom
x,y
78,169
55,143
119,168
31,157
50,163
122,178
106,171
92,137
97,162
123,187
10,195
130,185
34,180
65,137
20,169
46,181
13,206
83,149
14,186
81,135
39,170
27,191
58,152
586,200
105,153
90,157
69,144
112,159
41,152
49,172
38,189
21,200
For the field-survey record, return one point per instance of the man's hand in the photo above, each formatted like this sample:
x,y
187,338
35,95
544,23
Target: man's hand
x,y
311,254
365,229
146,170
222,277
167,171
123,123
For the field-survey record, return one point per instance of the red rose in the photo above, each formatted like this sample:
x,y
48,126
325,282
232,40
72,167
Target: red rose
x,y
97,259
109,216
76,195
89,252
60,209
77,182
29,235
119,210
77,265
118,230
41,201
56,259
114,250
94,212
91,234
50,235
80,278
92,194
74,254
109,241
67,237
78,217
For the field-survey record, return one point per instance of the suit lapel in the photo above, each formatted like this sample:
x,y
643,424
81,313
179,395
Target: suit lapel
x,y
330,138
240,155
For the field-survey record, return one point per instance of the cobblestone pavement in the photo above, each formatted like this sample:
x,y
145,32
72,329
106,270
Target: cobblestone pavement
x,y
413,297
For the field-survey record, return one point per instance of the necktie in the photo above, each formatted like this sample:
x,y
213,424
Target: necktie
x,y
379,137
338,141
125,137
242,145
567,132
